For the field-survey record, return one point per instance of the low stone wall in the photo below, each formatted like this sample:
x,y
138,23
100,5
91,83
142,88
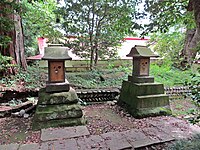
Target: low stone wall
x,y
178,92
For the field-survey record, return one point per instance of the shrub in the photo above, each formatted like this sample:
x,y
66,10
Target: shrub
x,y
185,144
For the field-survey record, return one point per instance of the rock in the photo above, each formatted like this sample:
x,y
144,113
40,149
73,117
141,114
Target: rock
x,y
22,112
57,98
112,103
26,115
115,101
51,112
128,115
57,109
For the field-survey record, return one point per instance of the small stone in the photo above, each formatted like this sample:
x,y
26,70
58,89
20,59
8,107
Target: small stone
x,y
26,115
188,116
22,112
115,101
128,115
111,103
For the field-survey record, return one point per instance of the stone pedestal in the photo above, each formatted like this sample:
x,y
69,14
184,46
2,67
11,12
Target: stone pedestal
x,y
57,110
144,99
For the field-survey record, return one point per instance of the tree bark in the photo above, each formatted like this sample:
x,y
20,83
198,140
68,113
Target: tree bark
x,y
19,43
15,48
96,54
192,36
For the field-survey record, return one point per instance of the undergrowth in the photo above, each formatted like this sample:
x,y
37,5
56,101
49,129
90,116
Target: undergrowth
x,y
169,75
186,144
95,78
29,79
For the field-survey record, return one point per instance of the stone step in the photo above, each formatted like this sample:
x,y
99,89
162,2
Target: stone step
x,y
58,123
45,98
63,133
140,89
57,108
149,101
52,112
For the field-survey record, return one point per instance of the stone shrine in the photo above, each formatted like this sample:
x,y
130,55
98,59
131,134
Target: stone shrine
x,y
57,102
140,94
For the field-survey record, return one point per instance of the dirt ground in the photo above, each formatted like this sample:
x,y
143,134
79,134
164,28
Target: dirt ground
x,y
101,118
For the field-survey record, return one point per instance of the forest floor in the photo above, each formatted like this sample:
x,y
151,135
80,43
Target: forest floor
x,y
102,118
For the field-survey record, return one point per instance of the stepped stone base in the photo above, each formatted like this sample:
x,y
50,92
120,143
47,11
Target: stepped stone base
x,y
144,99
57,110
142,79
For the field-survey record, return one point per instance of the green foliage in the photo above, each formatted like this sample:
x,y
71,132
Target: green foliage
x,y
5,64
98,26
169,75
92,79
7,24
186,144
166,14
29,79
14,102
195,95
169,46
39,20
162,72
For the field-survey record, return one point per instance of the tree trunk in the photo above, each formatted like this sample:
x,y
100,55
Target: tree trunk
x,y
192,36
187,52
96,54
18,41
91,58
15,49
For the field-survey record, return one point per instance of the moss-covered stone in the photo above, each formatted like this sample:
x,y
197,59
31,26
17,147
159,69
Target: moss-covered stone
x,y
144,99
57,109
57,98
141,89
149,101
51,112
148,112
141,79
58,123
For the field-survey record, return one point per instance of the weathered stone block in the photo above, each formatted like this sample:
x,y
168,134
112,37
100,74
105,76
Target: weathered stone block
x,y
149,101
140,89
57,110
147,112
50,112
58,123
57,87
57,98
141,79
144,99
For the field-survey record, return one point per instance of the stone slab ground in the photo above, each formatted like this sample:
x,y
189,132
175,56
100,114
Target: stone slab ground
x,y
79,138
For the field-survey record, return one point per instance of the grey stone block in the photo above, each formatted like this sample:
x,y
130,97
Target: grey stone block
x,y
63,133
9,147
32,146
116,140
92,142
68,144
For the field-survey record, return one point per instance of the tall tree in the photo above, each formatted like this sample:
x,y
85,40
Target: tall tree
x,y
165,14
99,26
193,40
39,20
11,33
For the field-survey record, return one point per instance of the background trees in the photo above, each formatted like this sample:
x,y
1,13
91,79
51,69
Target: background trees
x,y
98,25
168,16
39,20
21,22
